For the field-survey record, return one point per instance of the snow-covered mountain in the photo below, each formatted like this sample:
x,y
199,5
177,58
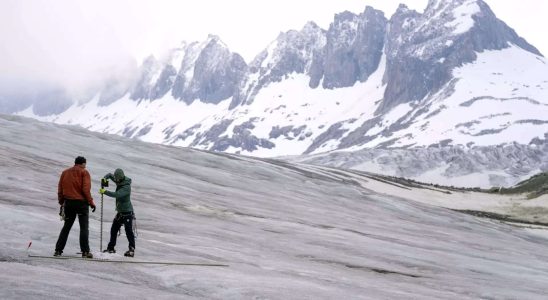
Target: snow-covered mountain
x,y
452,75
287,231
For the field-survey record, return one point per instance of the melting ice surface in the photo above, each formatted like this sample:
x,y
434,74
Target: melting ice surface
x,y
287,231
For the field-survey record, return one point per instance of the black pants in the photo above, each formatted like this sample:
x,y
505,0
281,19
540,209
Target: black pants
x,y
75,208
120,219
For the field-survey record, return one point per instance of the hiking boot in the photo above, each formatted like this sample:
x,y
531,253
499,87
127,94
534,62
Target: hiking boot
x,y
109,251
130,252
57,253
87,255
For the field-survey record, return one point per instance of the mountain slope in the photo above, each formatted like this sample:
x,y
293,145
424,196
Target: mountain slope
x,y
287,231
453,75
423,49
478,166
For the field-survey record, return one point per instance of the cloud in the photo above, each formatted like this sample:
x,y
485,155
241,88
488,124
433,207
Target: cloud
x,y
78,44
52,44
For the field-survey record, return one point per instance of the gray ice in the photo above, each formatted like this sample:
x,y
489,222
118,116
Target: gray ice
x,y
286,231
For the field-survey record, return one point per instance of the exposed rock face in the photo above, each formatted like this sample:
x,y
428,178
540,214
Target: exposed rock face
x,y
164,83
354,48
348,52
217,73
189,54
292,52
364,82
422,49
145,81
205,71
333,132
240,137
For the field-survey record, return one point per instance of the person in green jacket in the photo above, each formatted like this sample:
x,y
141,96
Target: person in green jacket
x,y
124,209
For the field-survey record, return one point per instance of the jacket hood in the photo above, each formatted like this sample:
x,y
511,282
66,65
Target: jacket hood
x,y
119,175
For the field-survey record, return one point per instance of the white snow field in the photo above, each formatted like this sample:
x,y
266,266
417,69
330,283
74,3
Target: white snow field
x,y
286,231
502,97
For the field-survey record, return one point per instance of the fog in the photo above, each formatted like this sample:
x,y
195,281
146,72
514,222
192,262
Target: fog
x,y
77,45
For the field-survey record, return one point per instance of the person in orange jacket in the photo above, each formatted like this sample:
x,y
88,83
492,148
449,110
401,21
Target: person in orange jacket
x,y
75,197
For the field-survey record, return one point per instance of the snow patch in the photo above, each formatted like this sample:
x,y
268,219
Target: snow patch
x,y
462,15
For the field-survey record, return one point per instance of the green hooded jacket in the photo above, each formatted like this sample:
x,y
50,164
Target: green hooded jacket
x,y
123,191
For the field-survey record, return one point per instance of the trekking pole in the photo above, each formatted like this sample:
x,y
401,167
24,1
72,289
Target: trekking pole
x,y
104,184
101,242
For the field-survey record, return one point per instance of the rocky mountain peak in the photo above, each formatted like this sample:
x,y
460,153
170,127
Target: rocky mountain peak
x,y
149,61
145,81
423,58
207,71
402,8
210,72
215,39
343,17
313,35
292,52
353,50
310,27
437,4
423,49
370,10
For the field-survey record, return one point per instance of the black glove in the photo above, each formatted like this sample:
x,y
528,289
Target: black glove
x,y
92,208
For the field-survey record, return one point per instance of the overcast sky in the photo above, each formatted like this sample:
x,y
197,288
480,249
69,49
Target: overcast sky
x,y
75,41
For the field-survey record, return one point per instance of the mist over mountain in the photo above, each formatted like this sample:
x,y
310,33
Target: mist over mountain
x,y
287,168
454,75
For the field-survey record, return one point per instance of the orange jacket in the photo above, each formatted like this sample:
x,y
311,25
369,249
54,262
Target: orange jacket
x,y
75,184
